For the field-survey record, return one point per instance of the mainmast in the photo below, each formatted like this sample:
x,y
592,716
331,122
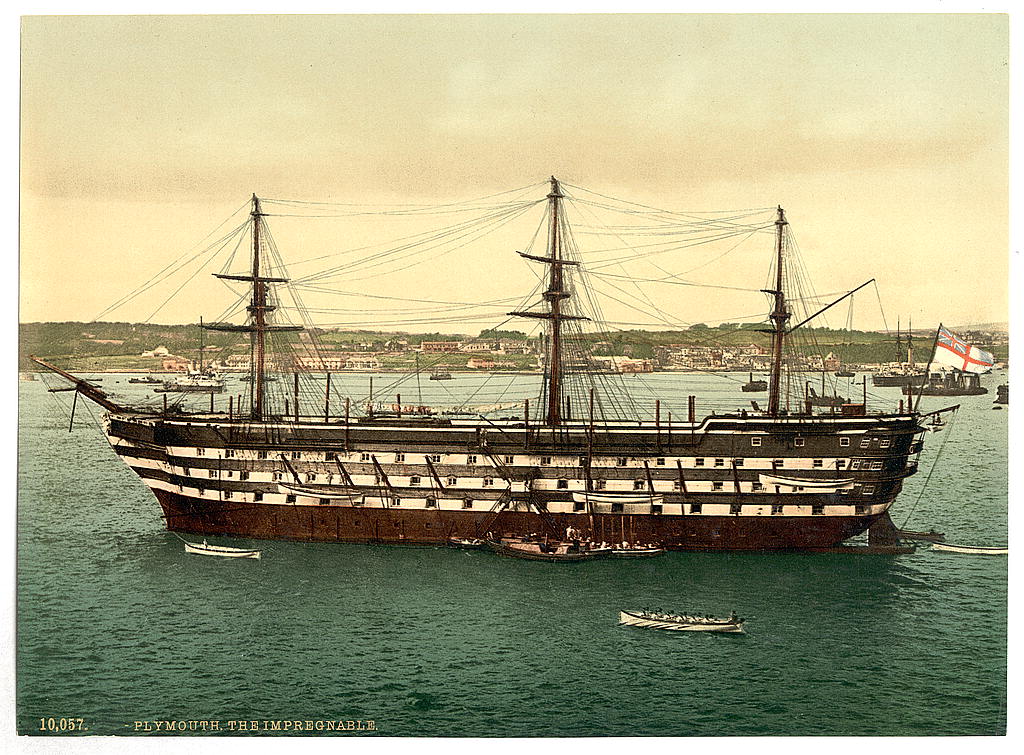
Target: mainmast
x,y
258,310
554,295
779,316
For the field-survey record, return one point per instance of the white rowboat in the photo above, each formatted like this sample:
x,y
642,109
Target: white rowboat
x,y
674,623
467,543
205,549
807,485
334,494
976,550
631,498
639,551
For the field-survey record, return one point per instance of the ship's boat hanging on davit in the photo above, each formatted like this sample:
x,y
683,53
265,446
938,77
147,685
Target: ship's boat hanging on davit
x,y
271,466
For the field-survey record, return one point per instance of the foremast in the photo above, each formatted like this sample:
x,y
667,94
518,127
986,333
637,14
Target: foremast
x,y
554,296
259,307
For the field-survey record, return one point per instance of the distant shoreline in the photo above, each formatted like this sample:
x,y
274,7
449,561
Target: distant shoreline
x,y
392,371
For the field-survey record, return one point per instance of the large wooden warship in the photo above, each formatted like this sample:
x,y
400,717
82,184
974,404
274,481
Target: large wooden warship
x,y
771,477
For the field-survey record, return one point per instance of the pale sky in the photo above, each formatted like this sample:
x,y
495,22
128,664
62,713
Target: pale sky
x,y
885,137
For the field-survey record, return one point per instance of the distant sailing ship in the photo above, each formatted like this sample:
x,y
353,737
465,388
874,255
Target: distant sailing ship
x,y
201,379
898,374
775,478
193,381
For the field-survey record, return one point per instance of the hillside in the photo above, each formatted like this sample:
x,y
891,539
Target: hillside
x,y
101,346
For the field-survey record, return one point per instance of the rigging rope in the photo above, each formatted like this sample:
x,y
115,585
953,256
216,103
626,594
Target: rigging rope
x,y
924,486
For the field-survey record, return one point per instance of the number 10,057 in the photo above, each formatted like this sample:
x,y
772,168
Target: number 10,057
x,y
62,724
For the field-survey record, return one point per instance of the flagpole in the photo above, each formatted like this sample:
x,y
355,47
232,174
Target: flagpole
x,y
928,368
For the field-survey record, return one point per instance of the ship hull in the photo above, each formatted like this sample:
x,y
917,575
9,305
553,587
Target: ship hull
x,y
739,482
947,392
345,524
883,380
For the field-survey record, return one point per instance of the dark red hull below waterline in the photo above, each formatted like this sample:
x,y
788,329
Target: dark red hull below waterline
x,y
347,524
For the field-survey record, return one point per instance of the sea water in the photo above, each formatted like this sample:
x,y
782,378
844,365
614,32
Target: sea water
x,y
120,631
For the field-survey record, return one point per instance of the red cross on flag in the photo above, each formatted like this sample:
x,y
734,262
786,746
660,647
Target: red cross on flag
x,y
953,351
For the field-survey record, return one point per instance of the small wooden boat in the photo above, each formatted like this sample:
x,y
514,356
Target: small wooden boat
x,y
146,380
540,550
675,623
806,484
633,499
467,543
826,400
205,549
338,495
931,535
971,549
637,551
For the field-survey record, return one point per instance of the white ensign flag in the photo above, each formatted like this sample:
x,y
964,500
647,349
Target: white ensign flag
x,y
953,351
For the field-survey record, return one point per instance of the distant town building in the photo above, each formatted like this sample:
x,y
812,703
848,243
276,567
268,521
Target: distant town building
x,y
362,363
440,347
478,363
335,362
624,364
514,347
159,351
749,357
